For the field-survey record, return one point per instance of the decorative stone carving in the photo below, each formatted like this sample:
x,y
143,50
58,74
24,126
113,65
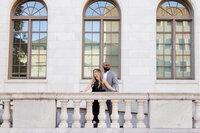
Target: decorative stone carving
x,y
89,115
6,114
77,115
63,115
115,115
102,114
128,116
140,116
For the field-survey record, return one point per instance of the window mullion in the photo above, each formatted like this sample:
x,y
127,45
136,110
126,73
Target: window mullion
x,y
29,49
174,49
101,44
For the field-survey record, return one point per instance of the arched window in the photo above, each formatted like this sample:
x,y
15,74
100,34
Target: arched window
x,y
174,41
28,49
101,39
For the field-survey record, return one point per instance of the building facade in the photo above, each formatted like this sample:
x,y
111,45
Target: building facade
x,y
51,46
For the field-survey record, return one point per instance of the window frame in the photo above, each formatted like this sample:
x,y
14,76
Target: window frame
x,y
30,19
101,19
173,36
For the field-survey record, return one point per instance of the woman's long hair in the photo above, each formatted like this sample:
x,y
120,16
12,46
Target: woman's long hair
x,y
99,78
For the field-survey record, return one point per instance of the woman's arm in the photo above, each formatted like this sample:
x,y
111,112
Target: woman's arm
x,y
87,88
108,86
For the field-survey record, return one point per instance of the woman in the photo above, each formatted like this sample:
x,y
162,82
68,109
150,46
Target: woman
x,y
97,84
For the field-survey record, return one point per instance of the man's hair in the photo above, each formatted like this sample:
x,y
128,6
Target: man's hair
x,y
105,63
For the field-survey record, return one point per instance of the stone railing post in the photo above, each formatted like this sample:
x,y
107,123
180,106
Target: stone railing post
x,y
6,114
197,114
63,115
89,115
102,114
115,115
140,116
76,115
127,115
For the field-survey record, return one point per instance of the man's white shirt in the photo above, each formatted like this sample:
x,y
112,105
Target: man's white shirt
x,y
105,75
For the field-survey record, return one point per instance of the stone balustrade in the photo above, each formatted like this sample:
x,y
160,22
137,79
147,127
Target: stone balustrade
x,y
128,98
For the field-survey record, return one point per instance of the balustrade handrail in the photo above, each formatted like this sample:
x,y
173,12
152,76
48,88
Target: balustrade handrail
x,y
98,95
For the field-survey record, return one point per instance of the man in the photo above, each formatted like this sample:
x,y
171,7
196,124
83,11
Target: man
x,y
111,78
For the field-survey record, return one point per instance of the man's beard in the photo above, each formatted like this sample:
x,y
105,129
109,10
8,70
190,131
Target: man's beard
x,y
106,69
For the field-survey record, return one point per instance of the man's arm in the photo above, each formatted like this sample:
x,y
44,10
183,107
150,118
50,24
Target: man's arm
x,y
115,81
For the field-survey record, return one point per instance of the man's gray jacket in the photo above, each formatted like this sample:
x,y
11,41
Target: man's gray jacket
x,y
112,81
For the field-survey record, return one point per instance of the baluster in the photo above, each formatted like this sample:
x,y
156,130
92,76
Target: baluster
x,y
115,115
89,115
63,115
197,114
77,115
6,114
127,115
140,115
102,114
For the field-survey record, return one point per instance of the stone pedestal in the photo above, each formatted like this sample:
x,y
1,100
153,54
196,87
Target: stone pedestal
x,y
170,114
34,114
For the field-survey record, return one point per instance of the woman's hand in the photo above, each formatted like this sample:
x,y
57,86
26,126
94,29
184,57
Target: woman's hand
x,y
115,91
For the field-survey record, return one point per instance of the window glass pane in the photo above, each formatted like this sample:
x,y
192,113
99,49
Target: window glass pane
x,y
43,49
168,49
24,25
95,60
114,61
34,71
88,37
107,38
96,26
35,25
35,60
187,38
114,12
179,26
186,26
159,49
88,49
107,49
115,26
107,26
35,38
87,61
88,26
179,60
107,59
38,5
168,61
43,12
179,39
179,49
179,72
43,38
115,38
42,71
187,72
95,48
159,38
115,49
87,72
167,38
17,37
167,26
159,26
89,12
43,25
160,72
35,49
187,50
187,60
24,38
96,38
160,61
42,60
168,72
17,25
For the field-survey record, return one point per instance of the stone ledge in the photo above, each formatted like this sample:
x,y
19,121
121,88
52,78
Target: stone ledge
x,y
92,130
